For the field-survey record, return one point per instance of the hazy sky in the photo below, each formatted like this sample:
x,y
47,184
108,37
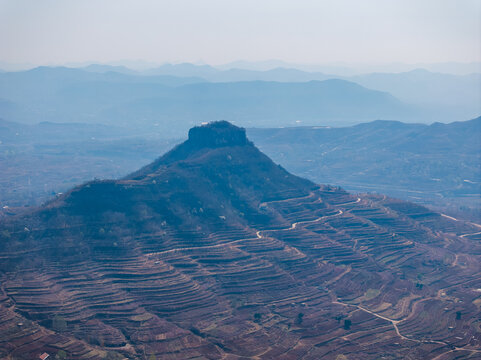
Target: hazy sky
x,y
220,31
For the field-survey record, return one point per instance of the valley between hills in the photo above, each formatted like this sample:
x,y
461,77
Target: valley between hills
x,y
214,252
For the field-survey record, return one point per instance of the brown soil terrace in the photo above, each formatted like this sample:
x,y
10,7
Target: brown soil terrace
x,y
357,259
215,252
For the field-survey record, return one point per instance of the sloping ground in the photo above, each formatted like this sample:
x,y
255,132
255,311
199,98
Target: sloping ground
x,y
214,252
436,165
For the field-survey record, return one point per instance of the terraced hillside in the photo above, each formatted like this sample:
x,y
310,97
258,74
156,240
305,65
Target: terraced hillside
x,y
215,252
437,165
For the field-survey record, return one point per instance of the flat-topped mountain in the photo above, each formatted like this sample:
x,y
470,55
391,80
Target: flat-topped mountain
x,y
215,252
217,134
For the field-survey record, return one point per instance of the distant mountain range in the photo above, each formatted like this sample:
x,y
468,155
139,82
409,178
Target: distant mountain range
x,y
175,97
455,93
351,69
424,88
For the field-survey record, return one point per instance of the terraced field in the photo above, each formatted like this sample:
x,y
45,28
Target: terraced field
x,y
214,252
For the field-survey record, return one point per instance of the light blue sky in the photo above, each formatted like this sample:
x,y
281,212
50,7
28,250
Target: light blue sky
x,y
220,31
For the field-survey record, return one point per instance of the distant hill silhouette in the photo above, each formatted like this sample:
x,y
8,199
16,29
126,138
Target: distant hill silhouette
x,y
177,97
177,103
438,96
457,95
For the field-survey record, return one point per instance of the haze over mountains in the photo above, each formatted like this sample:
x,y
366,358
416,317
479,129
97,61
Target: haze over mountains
x,y
176,97
418,86
70,95
213,251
